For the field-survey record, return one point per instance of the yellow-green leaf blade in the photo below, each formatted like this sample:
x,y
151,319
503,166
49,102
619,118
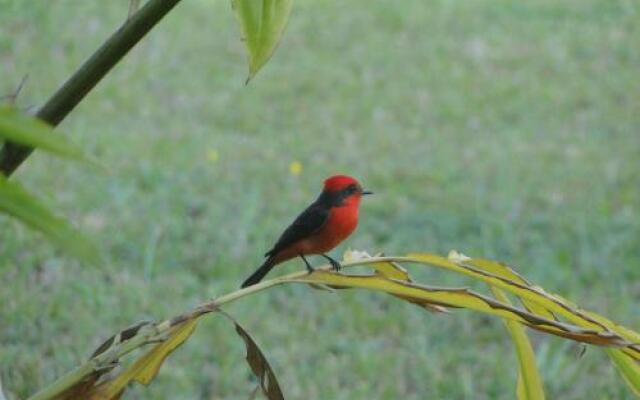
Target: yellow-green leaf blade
x,y
504,271
391,270
260,366
628,368
15,201
151,362
529,386
464,298
262,23
521,393
553,303
145,368
30,131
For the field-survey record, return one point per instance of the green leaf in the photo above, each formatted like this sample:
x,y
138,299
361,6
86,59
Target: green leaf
x,y
260,366
593,328
146,367
628,368
15,201
505,272
262,23
150,363
465,298
29,131
529,380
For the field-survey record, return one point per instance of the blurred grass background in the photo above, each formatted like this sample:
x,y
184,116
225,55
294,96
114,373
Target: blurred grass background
x,y
501,129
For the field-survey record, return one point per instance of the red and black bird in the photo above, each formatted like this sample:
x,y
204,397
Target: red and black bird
x,y
322,226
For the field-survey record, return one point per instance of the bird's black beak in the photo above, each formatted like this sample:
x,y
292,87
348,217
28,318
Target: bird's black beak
x,y
366,192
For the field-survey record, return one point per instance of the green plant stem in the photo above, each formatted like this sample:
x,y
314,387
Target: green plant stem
x,y
113,354
528,377
67,97
157,332
151,334
65,382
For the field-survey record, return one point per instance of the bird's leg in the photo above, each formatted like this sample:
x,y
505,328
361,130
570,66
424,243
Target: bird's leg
x,y
309,267
336,265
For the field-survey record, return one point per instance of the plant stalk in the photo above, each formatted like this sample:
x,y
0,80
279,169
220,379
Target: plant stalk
x,y
152,333
113,354
71,93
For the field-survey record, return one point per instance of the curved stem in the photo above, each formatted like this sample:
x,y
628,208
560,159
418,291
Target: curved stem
x,y
149,334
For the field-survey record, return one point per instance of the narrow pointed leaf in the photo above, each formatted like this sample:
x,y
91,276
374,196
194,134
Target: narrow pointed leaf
x,y
259,364
146,367
465,298
529,380
149,365
628,368
486,271
521,393
262,23
391,270
79,390
30,131
504,271
554,304
15,201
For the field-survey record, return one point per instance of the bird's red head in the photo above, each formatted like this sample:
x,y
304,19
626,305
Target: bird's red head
x,y
337,183
348,187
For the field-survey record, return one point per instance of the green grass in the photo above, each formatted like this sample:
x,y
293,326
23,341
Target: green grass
x,y
501,129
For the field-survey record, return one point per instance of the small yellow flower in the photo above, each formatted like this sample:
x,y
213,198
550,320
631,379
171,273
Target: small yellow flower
x,y
212,155
295,168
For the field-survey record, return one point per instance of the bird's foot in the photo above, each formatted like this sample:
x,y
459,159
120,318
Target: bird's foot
x,y
335,265
310,269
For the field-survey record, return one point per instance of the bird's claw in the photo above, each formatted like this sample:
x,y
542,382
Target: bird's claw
x,y
306,263
335,266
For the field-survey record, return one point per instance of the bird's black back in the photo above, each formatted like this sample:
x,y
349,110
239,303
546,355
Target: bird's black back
x,y
310,221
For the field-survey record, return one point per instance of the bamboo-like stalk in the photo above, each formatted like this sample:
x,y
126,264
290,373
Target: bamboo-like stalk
x,y
71,93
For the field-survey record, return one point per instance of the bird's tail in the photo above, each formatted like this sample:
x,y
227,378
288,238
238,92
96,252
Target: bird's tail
x,y
260,273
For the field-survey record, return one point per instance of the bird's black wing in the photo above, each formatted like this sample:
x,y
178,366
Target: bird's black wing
x,y
306,224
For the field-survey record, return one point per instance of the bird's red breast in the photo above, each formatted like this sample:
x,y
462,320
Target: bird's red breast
x,y
342,221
